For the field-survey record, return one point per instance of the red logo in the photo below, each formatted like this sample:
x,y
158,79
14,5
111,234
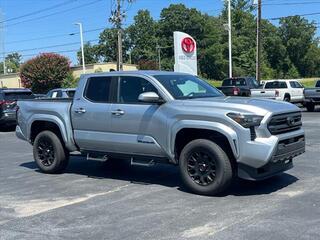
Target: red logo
x,y
188,45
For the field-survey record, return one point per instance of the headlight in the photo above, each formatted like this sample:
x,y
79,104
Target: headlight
x,y
246,120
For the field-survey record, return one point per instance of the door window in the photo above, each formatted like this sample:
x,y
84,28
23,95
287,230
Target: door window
x,y
132,87
98,89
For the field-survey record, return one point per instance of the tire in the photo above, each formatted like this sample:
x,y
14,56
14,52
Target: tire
x,y
310,107
216,159
287,98
49,153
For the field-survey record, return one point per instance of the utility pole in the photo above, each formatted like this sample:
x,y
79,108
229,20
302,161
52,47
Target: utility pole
x,y
119,23
230,38
116,19
258,55
159,56
2,33
82,47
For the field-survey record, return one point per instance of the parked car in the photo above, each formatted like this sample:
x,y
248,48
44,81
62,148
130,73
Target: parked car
x,y
312,97
283,90
8,106
238,86
61,93
153,117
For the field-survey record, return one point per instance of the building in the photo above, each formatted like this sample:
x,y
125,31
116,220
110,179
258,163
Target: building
x,y
12,80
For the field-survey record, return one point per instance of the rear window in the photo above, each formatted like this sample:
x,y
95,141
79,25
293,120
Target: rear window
x,y
318,83
98,89
234,82
18,95
276,85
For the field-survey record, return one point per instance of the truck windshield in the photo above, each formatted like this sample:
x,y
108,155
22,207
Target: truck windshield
x,y
187,86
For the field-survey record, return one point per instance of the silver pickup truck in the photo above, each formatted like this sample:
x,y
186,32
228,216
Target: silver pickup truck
x,y
153,117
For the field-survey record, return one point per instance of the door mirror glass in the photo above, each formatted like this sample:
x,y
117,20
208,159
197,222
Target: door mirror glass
x,y
149,97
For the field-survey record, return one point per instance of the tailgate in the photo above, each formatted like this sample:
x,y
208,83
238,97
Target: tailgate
x,y
263,93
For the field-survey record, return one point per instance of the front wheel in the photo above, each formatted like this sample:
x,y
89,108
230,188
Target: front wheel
x,y
205,168
49,153
310,107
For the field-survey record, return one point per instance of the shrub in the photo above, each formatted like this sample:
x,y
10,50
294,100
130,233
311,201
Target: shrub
x,y
44,72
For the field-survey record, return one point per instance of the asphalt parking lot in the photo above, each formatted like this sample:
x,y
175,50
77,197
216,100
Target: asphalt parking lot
x,y
94,200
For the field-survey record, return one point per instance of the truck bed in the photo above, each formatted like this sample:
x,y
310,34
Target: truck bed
x,y
47,109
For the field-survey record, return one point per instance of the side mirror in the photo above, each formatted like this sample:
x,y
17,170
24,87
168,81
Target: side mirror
x,y
150,97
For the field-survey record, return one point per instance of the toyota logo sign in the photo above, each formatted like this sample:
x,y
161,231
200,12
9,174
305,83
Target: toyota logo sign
x,y
188,45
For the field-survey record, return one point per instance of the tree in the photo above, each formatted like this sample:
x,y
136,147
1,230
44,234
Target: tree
x,y
90,54
143,38
107,47
297,36
13,62
44,72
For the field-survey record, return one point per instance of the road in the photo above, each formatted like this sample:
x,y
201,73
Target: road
x,y
94,200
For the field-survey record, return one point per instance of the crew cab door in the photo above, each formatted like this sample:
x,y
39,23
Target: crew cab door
x,y
90,114
136,125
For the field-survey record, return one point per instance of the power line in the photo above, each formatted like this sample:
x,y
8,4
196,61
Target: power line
x,y
51,46
62,51
55,13
289,3
301,15
38,11
54,36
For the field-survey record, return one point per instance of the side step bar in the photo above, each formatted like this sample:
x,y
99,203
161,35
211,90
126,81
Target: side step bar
x,y
102,158
143,163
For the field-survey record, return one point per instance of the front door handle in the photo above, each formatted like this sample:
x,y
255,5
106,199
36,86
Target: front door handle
x,y
80,110
117,112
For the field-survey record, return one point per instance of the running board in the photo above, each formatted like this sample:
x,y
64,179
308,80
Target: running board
x,y
93,157
142,163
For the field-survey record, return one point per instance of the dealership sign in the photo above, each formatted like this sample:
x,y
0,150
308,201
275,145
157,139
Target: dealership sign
x,y
185,53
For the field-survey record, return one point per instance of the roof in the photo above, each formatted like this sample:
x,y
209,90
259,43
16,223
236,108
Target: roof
x,y
138,72
62,89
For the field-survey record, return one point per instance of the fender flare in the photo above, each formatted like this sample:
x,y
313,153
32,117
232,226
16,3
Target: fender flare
x,y
228,132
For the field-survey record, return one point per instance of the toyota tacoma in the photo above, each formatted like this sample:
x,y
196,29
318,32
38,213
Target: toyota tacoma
x,y
154,117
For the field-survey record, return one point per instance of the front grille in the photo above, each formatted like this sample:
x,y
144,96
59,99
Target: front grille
x,y
284,123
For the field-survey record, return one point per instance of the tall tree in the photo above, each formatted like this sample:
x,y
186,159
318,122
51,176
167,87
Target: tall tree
x,y
143,37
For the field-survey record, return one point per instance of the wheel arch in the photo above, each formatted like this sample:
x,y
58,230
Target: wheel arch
x,y
188,131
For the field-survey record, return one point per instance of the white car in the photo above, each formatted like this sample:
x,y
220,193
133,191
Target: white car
x,y
283,90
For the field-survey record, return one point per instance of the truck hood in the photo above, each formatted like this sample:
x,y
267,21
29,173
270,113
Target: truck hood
x,y
243,105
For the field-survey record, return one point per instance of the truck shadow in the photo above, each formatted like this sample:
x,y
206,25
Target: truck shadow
x,y
163,174
7,128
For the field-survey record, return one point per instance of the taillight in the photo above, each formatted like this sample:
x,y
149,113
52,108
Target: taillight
x,y
4,104
236,91
277,93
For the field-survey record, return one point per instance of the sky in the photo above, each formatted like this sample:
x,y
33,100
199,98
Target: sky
x,y
27,31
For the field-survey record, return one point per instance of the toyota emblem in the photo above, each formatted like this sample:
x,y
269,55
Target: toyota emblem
x,y
188,45
290,121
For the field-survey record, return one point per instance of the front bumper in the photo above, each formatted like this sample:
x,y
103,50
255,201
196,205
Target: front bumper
x,y
19,133
266,157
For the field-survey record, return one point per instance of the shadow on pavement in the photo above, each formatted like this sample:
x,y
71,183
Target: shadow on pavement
x,y
7,128
163,174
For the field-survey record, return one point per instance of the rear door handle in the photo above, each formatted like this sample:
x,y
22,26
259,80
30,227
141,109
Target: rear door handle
x,y
117,112
80,110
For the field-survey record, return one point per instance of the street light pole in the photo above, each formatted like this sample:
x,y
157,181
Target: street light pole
x,y
82,47
230,38
258,56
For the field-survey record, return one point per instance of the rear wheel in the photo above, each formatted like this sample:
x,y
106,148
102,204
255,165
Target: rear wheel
x,y
287,98
205,168
49,153
310,107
